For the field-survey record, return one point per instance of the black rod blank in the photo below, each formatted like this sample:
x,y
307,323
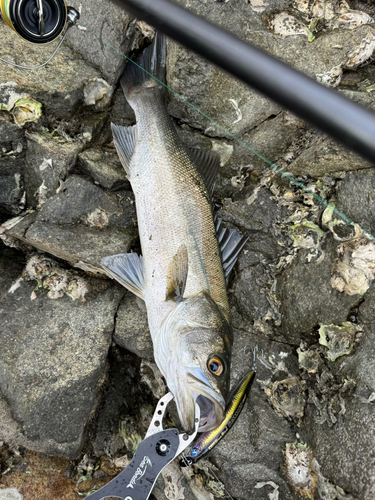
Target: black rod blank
x,y
339,117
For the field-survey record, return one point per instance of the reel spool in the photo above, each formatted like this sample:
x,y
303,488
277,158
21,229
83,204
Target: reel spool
x,y
37,21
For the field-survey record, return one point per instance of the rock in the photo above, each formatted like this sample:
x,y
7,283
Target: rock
x,y
12,184
52,385
132,330
99,27
104,168
307,297
49,160
10,494
57,86
11,265
325,156
9,131
356,198
81,224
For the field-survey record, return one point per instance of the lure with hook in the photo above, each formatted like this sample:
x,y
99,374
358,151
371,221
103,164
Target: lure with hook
x,y
208,440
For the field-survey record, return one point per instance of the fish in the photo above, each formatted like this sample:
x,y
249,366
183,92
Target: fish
x,y
186,254
208,440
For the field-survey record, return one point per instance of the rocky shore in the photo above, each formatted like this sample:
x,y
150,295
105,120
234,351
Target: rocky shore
x,y
78,383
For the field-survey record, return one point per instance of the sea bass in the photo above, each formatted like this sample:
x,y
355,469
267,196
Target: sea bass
x,y
180,274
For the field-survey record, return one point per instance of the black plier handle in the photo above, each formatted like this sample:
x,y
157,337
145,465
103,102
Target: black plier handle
x,y
153,454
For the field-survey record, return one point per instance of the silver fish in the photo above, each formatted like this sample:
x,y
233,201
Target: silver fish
x,y
180,274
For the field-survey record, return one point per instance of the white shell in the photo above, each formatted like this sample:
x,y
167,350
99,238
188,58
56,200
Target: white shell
x,y
331,78
328,9
284,24
361,54
350,20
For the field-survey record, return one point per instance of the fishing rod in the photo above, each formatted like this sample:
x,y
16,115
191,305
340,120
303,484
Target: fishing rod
x,y
334,114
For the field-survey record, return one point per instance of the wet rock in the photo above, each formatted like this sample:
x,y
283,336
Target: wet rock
x,y
307,297
49,159
12,183
108,22
132,330
52,385
81,224
104,168
57,86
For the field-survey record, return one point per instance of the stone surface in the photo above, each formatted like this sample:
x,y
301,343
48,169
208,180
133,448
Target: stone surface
x,y
9,131
81,224
307,297
48,160
106,25
132,330
10,494
58,86
11,266
12,183
104,168
53,362
356,198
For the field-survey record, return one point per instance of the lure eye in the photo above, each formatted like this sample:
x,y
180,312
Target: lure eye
x,y
215,365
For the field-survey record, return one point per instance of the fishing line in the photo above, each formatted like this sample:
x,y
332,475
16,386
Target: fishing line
x,y
274,167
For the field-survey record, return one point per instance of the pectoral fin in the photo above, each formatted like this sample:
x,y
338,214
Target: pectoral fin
x,y
177,275
208,164
125,140
127,269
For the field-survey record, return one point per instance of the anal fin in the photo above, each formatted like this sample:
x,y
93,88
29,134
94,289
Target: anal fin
x,y
127,269
125,140
177,275
231,242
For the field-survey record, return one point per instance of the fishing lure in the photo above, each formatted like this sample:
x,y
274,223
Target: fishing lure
x,y
208,440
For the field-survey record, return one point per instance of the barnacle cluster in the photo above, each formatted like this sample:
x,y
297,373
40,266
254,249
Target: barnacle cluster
x,y
58,281
298,469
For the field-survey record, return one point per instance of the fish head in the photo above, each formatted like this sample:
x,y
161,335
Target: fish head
x,y
195,360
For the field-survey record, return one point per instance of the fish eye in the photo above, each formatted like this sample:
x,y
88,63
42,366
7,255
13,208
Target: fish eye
x,y
215,365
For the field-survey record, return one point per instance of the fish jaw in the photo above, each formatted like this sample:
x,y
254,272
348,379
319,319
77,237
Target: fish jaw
x,y
191,386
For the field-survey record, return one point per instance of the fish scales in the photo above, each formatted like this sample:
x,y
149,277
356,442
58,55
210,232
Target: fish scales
x,y
180,274
173,207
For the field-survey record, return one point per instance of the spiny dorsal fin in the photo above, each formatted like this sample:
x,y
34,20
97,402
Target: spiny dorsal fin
x,y
127,269
207,163
231,242
177,275
125,139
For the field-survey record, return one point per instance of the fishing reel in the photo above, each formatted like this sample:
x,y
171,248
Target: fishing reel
x,y
38,21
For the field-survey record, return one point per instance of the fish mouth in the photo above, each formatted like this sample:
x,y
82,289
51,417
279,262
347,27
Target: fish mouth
x,y
211,403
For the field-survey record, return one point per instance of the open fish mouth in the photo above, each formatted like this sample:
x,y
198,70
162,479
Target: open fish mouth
x,y
211,403
211,416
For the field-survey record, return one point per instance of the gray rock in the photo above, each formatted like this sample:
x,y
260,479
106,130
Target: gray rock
x,y
106,25
81,224
104,168
356,198
9,131
132,330
307,297
48,160
326,156
12,185
11,266
58,86
52,362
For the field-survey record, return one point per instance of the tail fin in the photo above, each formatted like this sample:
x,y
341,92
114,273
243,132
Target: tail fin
x,y
152,62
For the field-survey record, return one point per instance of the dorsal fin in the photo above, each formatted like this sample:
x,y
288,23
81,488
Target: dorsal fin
x,y
208,164
127,269
231,242
125,140
177,275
